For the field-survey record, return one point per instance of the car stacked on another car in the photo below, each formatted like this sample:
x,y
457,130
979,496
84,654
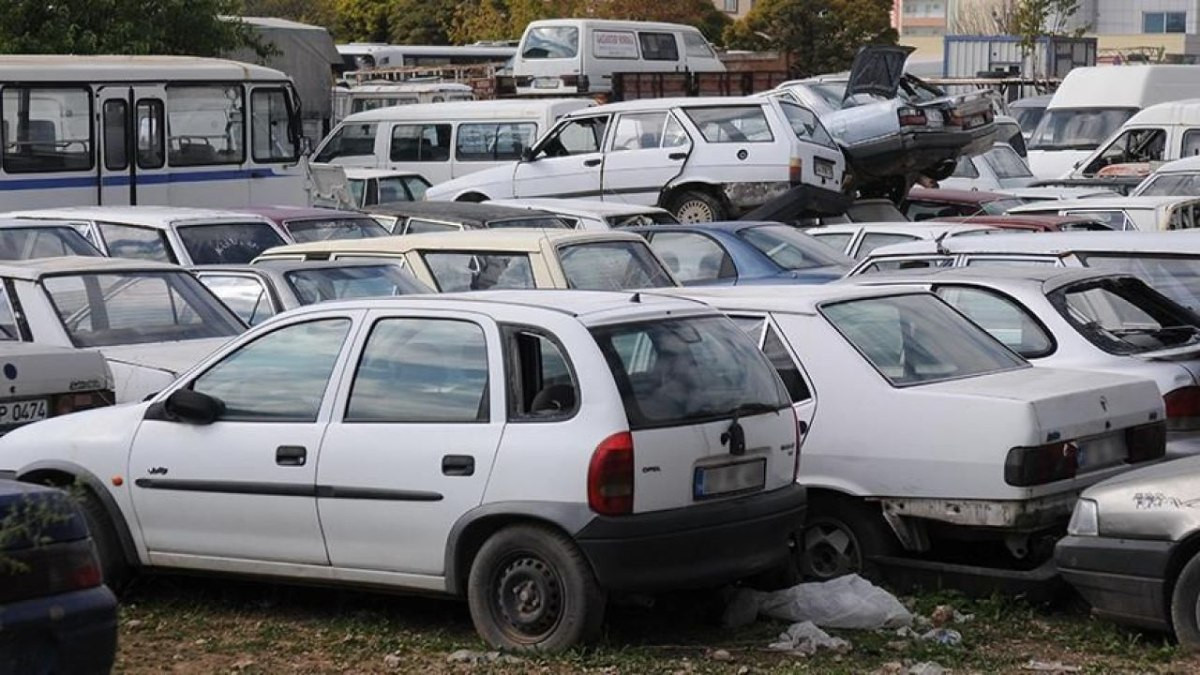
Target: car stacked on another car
x,y
927,203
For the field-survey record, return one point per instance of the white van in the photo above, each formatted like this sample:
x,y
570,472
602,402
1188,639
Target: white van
x,y
441,141
1160,133
1092,103
579,56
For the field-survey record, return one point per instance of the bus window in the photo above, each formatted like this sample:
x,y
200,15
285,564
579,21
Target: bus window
x,y
47,129
116,140
150,128
205,125
269,126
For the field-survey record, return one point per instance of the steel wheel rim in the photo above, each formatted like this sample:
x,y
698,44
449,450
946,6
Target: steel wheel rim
x,y
527,598
695,211
831,550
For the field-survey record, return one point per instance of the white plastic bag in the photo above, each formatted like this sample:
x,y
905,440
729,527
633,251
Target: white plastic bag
x,y
845,602
806,638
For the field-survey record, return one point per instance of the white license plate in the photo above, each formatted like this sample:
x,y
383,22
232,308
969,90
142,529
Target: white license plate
x,y
823,168
22,412
546,82
933,120
717,481
1099,453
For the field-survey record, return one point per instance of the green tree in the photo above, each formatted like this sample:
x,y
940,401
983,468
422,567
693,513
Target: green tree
x,y
316,12
1034,19
819,36
124,27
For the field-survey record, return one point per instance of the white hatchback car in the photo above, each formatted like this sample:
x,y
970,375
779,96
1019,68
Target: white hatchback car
x,y
703,159
530,450
922,432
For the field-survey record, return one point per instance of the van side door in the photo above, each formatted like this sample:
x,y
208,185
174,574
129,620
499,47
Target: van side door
x,y
646,151
566,163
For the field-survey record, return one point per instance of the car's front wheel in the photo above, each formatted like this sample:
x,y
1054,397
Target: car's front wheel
x,y
1185,605
530,588
693,206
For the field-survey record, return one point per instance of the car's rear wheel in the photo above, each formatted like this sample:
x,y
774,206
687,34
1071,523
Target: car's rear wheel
x,y
530,588
693,206
1185,605
841,536
116,568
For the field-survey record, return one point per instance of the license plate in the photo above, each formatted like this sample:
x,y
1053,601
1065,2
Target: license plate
x,y
1102,452
934,120
22,412
546,82
823,168
728,479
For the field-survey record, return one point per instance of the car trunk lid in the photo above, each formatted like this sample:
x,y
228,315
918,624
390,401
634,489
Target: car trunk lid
x,y
876,71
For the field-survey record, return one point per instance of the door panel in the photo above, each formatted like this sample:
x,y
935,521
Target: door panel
x,y
132,154
646,152
567,164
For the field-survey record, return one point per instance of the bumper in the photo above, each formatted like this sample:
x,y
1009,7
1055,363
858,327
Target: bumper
x,y
695,547
903,152
1025,515
69,633
1122,579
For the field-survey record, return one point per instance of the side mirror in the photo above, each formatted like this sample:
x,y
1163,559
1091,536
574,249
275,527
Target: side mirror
x,y
192,407
526,154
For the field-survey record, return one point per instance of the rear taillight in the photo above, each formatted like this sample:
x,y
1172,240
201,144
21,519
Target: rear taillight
x,y
912,117
69,403
1041,464
50,569
610,476
1183,409
1146,442
796,170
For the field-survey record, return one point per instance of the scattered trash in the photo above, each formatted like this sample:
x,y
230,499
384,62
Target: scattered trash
x,y
133,623
926,668
890,668
1050,667
906,632
845,602
721,655
392,661
943,636
941,615
805,638
468,656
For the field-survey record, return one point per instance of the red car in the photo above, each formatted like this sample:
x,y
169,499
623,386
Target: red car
x,y
927,203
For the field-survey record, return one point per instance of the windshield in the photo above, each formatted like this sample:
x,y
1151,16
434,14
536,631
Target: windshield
x,y
536,223
402,189
1077,128
124,308
1028,118
918,339
1171,185
1007,163
1125,316
1176,276
325,229
999,207
337,283
551,42
636,219
688,371
25,243
466,271
612,266
228,243
791,249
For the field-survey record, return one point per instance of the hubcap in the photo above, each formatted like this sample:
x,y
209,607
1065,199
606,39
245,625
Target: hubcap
x,y
528,599
695,211
830,550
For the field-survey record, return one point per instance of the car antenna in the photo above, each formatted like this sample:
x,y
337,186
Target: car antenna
x,y
937,242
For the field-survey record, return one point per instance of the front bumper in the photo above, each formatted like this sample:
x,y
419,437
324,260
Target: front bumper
x,y
73,632
1123,579
700,546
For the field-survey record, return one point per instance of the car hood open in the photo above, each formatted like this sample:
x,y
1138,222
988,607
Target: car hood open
x,y
877,71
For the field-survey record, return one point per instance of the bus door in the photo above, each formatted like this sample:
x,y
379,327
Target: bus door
x,y
132,133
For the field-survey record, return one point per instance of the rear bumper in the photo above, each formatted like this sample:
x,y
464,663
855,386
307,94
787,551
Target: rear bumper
x,y
695,547
908,151
69,633
1123,579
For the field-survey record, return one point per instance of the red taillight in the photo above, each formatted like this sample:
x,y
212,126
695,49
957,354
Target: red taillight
x,y
610,476
1146,442
1041,464
86,575
1183,409
69,403
796,170
912,117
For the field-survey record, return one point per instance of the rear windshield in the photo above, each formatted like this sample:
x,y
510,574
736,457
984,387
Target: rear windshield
x,y
551,42
1007,163
228,243
791,249
805,124
24,243
999,207
1171,185
336,283
1125,316
536,223
688,371
326,229
918,339
636,219
1177,277
612,266
470,271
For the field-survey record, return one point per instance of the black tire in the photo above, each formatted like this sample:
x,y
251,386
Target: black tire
x,y
1185,606
531,589
841,535
693,206
113,563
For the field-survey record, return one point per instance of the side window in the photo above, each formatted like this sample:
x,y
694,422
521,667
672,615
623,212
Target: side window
x,y
1134,145
205,125
779,356
965,168
9,329
349,140
479,271
658,46
696,47
420,143
577,137
892,264
1191,143
280,377
142,243
874,240
732,124
1116,220
1003,318
47,129
419,225
674,135
151,130
639,131
540,382
837,241
692,257
1011,262
421,370
246,296
270,132
493,142
116,121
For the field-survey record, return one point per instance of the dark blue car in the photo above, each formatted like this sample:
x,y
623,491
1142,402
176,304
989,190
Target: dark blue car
x,y
739,253
56,615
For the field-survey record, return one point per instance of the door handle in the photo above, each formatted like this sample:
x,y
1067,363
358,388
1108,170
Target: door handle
x,y
592,162
291,455
677,156
458,465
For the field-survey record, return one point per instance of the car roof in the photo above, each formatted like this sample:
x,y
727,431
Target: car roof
x,y
585,206
1042,276
957,196
103,68
450,110
801,299
282,213
1184,165
642,104
6,222
146,216
1100,203
1185,242
361,173
283,266
926,229
1031,221
466,212
719,226
34,269
507,239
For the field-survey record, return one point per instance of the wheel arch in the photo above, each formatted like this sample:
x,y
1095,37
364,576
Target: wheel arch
x,y
64,474
473,197
711,189
1183,551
